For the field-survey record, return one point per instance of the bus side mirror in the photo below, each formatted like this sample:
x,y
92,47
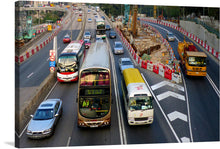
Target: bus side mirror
x,y
76,99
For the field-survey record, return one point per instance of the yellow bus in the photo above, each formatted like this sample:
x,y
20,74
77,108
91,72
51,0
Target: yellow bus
x,y
137,98
94,88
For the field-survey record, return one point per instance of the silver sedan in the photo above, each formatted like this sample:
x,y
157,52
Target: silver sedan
x,y
44,120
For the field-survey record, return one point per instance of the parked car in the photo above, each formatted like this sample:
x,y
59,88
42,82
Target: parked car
x,y
44,120
112,34
89,20
87,43
125,63
118,48
107,27
87,35
66,39
170,36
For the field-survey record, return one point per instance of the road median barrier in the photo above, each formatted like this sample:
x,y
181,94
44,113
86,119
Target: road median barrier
x,y
23,112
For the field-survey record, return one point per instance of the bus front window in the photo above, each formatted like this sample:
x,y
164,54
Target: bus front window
x,y
140,103
67,63
99,78
93,107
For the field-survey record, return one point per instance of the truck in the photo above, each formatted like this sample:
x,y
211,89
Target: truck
x,y
193,61
137,98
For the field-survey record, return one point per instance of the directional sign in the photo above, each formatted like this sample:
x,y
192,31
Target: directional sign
x,y
52,64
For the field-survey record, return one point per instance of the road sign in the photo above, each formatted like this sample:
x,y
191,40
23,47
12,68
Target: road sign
x,y
52,64
52,52
52,69
52,58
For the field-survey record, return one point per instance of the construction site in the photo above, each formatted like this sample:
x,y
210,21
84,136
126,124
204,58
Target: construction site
x,y
144,39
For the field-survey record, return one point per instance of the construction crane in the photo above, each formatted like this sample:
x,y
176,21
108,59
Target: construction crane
x,y
131,22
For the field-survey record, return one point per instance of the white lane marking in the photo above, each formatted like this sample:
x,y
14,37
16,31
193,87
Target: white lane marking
x,y
185,139
163,83
170,93
48,59
30,75
187,103
68,142
177,115
213,85
120,117
168,122
30,120
163,29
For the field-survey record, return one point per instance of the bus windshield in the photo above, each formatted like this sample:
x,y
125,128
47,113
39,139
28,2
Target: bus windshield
x,y
197,61
100,25
98,77
100,32
94,107
140,103
67,63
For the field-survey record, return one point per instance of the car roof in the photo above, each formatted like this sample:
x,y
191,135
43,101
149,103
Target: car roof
x,y
48,104
125,59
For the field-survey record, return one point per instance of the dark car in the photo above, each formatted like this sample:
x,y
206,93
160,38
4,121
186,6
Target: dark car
x,y
103,17
112,34
107,27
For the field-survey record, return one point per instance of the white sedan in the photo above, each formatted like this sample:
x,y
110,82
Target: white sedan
x,y
125,63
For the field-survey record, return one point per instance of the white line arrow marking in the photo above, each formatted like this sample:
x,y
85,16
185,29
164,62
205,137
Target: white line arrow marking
x,y
163,83
175,115
185,139
170,93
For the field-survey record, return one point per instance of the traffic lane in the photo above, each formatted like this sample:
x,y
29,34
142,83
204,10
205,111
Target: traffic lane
x,y
31,70
142,134
104,136
204,109
199,88
35,69
91,27
67,92
212,66
97,136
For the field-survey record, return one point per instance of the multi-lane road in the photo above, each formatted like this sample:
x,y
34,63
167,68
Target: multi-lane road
x,y
190,112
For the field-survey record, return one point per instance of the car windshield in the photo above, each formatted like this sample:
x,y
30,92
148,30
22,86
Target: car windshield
x,y
140,103
43,114
87,33
112,32
170,34
126,63
118,45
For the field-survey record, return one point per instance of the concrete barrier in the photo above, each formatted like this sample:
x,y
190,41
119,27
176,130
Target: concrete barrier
x,y
23,112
